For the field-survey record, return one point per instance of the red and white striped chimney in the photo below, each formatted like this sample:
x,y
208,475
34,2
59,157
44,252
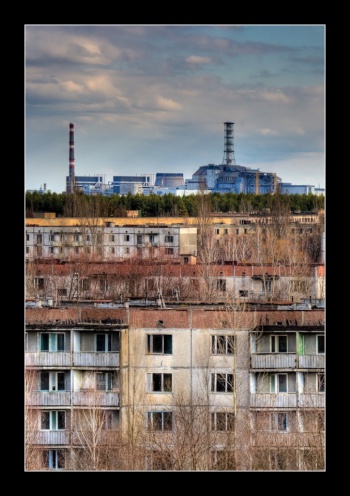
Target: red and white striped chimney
x,y
71,159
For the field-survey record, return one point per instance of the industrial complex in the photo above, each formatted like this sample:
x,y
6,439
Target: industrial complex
x,y
227,177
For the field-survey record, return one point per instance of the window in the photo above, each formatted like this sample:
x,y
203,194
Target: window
x,y
223,460
152,238
169,251
139,239
39,239
52,381
221,285
39,282
99,239
126,250
159,460
161,383
111,249
243,293
53,420
110,419
320,383
27,237
222,421
159,421
54,459
52,341
320,344
111,238
279,421
126,237
225,231
27,250
169,239
88,237
278,383
103,342
62,292
222,345
106,381
186,260
76,237
278,344
222,383
237,231
160,343
217,231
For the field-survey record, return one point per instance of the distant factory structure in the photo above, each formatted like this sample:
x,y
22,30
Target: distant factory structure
x,y
228,177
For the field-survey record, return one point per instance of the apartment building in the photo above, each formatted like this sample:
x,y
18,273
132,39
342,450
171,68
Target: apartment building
x,y
206,387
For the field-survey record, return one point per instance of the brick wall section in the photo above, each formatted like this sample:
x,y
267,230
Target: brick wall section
x,y
197,318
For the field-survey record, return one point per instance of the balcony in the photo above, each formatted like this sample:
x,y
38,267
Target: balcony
x,y
96,359
95,398
48,398
48,359
60,437
273,360
311,361
273,400
312,400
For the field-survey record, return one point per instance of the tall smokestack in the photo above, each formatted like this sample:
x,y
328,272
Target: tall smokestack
x,y
229,155
71,159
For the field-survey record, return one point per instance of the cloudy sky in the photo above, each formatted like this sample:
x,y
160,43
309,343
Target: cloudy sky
x,y
154,98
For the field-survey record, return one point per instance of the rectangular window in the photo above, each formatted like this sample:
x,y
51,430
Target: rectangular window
x,y
106,381
39,282
159,460
221,285
320,344
62,292
169,239
139,239
103,342
222,383
39,239
27,237
111,238
126,250
111,249
126,237
222,345
279,421
88,237
279,383
243,293
223,460
53,420
320,383
52,381
161,383
159,421
225,231
222,421
54,459
169,251
76,237
278,344
27,250
217,231
160,343
52,341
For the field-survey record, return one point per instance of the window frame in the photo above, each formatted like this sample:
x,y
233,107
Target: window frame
x,y
54,380
52,459
167,343
107,342
222,379
222,419
53,419
276,383
56,342
276,342
165,380
227,344
320,344
159,421
321,385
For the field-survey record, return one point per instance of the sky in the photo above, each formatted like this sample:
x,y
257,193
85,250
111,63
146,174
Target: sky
x,y
154,98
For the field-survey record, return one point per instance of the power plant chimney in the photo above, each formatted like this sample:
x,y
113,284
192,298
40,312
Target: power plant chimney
x,y
71,182
229,156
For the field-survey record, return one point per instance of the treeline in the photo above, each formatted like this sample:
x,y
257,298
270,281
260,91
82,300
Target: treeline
x,y
168,205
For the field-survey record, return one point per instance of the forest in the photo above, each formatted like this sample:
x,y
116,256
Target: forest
x,y
168,205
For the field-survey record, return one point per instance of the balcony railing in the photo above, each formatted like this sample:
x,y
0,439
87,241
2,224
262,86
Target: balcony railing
x,y
312,400
273,360
48,398
60,437
96,359
95,398
48,359
311,361
273,400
